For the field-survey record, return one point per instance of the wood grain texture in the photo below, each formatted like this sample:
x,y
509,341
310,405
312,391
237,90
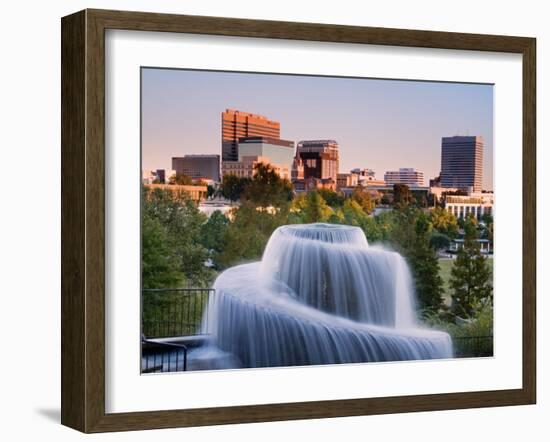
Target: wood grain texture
x,y
73,252
529,171
83,219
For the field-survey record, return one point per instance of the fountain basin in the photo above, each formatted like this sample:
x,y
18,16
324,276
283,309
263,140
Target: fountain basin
x,y
260,321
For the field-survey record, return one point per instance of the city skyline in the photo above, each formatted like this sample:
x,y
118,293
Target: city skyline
x,y
379,124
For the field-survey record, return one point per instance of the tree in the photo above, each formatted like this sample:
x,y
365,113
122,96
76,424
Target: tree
x,y
470,275
353,213
403,233
444,222
210,191
232,187
181,220
362,197
385,226
181,178
247,236
402,195
213,234
487,227
385,199
439,241
316,209
425,268
267,188
458,192
420,198
333,199
337,217
298,203
374,230
158,264
411,234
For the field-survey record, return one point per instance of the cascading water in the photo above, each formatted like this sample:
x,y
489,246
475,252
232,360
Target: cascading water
x,y
320,295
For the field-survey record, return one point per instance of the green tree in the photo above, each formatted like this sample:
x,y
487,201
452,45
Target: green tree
x,y
385,199
411,233
337,217
403,233
158,264
372,230
487,227
213,234
470,275
210,191
232,186
439,241
316,209
180,178
267,188
420,198
425,268
385,226
247,236
444,221
182,221
402,195
362,197
297,205
353,213
333,199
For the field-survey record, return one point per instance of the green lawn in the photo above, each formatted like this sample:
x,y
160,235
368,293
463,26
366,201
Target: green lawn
x,y
445,272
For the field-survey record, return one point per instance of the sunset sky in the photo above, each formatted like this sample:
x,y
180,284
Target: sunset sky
x,y
379,124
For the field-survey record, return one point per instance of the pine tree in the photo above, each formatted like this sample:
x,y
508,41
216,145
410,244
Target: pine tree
x,y
411,234
425,268
470,274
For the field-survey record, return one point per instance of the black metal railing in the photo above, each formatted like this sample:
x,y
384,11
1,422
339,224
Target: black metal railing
x,y
162,357
174,312
473,346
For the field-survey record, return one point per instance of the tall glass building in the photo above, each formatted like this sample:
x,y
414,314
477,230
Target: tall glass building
x,y
280,152
198,166
462,162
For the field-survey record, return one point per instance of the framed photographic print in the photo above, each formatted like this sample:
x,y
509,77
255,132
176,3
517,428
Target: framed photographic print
x,y
270,220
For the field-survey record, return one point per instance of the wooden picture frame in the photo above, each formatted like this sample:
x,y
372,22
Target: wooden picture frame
x,y
83,220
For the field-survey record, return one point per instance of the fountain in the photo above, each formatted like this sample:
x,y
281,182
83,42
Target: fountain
x,y
320,295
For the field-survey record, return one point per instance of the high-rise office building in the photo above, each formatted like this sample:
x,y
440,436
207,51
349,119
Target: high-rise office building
x,y
198,166
320,159
462,162
237,124
405,175
279,151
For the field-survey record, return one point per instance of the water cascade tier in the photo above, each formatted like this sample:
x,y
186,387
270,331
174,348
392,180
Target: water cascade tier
x,y
320,295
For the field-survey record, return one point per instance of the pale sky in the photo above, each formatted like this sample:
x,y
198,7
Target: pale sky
x,y
379,124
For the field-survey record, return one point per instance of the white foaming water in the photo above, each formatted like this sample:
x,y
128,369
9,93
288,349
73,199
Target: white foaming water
x,y
320,295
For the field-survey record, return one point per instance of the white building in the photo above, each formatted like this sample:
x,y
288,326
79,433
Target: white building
x,y
477,204
484,245
405,175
